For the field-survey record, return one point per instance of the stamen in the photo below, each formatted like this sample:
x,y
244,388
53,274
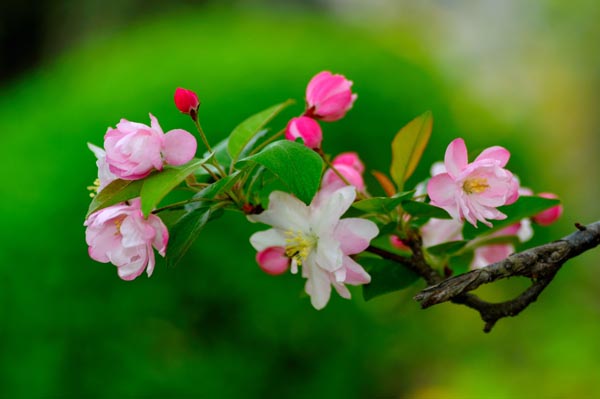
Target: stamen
x,y
298,246
94,188
475,185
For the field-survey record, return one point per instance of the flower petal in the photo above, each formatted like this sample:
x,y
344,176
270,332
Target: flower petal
x,y
285,212
496,153
318,287
179,147
355,274
326,214
355,234
456,157
442,190
265,239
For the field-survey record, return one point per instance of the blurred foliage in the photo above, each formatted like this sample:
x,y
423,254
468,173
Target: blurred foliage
x,y
216,326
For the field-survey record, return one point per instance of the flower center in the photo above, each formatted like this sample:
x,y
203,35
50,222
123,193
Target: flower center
x,y
475,185
298,246
118,223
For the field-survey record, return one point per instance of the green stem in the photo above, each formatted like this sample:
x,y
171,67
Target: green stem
x,y
267,141
183,203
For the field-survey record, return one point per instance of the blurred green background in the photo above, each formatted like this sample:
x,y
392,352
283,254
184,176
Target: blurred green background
x,y
522,75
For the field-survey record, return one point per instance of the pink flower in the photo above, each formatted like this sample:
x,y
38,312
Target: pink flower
x,y
305,128
438,231
134,150
473,191
273,260
488,254
315,238
548,216
329,97
350,159
186,101
119,234
331,180
350,166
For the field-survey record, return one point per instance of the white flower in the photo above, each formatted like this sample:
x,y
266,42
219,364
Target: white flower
x,y
315,238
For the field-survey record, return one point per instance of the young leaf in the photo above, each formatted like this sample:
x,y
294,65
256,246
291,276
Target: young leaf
x,y
117,191
297,166
158,185
524,207
185,232
382,204
408,147
386,276
384,182
423,210
245,131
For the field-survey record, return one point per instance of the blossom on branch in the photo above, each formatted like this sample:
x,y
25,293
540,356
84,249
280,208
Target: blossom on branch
x,y
105,176
315,238
473,191
306,129
134,150
122,236
329,97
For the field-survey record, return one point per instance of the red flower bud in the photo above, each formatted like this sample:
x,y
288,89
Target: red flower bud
x,y
186,101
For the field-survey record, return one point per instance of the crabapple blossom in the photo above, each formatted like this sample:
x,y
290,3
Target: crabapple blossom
x,y
134,150
548,216
329,97
348,165
306,129
350,159
105,176
398,243
315,238
186,101
437,231
122,236
492,253
273,260
473,191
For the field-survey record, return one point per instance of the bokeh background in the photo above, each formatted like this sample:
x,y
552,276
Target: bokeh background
x,y
520,74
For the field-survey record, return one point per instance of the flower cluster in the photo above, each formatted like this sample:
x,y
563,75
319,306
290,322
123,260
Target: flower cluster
x,y
308,231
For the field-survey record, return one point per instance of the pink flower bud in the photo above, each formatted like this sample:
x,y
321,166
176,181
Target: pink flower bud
x,y
398,243
332,182
273,261
305,128
350,159
548,216
186,101
329,97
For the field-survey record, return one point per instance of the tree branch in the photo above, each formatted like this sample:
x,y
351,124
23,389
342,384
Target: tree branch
x,y
540,264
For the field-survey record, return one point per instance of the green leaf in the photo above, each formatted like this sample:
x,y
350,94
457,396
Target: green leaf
x,y
423,210
383,204
245,131
159,184
297,166
386,276
525,206
447,248
185,232
408,147
117,191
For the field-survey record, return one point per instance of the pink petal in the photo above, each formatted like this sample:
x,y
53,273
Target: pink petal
x,y
179,147
456,157
355,274
355,234
442,190
496,153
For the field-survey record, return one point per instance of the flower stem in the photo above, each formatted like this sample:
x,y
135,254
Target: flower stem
x,y
268,141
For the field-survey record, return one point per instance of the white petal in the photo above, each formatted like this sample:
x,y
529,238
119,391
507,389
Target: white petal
x,y
318,287
285,212
328,254
268,238
325,215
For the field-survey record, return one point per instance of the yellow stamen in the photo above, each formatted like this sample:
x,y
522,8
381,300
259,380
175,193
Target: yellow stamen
x,y
298,245
118,223
475,185
94,188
